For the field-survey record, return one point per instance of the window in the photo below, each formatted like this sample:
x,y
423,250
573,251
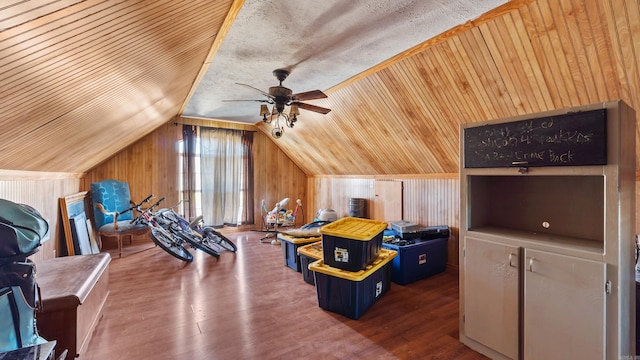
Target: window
x,y
216,181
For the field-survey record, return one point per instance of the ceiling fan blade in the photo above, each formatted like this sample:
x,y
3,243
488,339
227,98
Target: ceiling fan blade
x,y
309,95
310,107
262,92
265,101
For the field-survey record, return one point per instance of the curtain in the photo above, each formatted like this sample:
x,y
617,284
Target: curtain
x,y
221,159
246,217
189,185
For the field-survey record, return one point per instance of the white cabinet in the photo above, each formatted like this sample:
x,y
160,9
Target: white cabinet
x,y
546,259
493,284
564,307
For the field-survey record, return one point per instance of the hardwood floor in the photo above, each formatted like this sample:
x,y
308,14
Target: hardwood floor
x,y
249,305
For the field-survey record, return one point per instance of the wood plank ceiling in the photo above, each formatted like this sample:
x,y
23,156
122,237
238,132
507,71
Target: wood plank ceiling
x,y
81,80
404,117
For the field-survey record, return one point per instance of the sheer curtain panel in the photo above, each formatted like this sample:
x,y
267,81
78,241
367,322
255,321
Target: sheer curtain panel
x,y
221,165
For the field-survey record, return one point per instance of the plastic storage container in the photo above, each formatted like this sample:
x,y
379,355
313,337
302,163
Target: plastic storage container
x,y
426,233
352,243
418,259
308,254
352,293
290,246
403,226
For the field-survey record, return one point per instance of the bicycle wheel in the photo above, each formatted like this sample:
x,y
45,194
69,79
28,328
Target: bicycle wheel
x,y
221,240
197,242
169,245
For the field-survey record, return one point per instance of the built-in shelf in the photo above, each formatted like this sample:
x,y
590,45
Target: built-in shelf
x,y
550,242
552,206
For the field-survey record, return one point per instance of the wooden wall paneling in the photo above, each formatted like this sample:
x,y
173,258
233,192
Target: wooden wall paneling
x,y
564,18
446,114
334,193
486,71
624,25
434,201
149,166
465,83
538,94
275,176
20,11
41,191
540,31
504,55
260,175
427,200
594,51
478,100
418,122
387,201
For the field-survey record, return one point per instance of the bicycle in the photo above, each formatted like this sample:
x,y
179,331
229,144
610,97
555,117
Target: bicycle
x,y
210,235
192,236
163,233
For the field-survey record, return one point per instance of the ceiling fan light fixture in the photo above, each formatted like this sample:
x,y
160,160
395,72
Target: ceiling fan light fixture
x,y
264,111
293,113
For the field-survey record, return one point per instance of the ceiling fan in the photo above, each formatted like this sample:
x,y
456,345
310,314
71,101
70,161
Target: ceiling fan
x,y
281,96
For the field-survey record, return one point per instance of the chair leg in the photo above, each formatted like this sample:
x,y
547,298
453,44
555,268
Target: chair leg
x,y
119,245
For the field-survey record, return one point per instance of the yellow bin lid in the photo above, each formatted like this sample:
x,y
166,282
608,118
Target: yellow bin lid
x,y
354,228
313,250
298,240
385,257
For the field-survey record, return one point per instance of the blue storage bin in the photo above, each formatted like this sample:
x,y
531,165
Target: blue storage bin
x,y
352,243
290,247
352,293
308,254
418,259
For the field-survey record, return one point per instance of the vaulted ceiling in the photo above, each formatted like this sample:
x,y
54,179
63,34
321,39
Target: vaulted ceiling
x,y
81,80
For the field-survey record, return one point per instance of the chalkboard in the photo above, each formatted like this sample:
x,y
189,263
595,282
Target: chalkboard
x,y
571,139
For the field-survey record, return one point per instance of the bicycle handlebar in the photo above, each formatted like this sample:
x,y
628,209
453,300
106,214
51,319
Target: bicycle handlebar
x,y
136,206
157,203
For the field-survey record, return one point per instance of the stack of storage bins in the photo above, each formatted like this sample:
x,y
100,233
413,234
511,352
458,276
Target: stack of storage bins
x,y
422,251
354,271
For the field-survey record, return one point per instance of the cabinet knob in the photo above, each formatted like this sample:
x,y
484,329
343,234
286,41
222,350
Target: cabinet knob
x,y
531,264
511,256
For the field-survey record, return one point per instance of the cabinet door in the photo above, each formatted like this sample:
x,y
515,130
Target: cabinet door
x,y
387,204
491,284
564,307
